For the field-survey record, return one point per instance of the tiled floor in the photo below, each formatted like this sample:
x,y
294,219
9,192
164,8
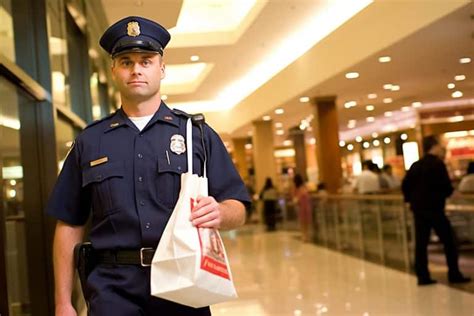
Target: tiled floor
x,y
276,274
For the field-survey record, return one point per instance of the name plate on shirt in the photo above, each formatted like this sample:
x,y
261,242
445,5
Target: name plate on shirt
x,y
99,161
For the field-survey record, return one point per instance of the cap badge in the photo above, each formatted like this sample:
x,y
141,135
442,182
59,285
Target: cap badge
x,y
177,144
133,29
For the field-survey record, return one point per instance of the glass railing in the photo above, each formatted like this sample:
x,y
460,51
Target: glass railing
x,y
379,228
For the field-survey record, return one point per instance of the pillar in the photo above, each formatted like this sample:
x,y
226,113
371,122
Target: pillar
x,y
326,130
240,157
263,153
297,136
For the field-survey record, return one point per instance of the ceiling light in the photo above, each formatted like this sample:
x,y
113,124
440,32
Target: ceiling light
x,y
395,87
280,132
459,77
366,145
387,100
248,146
266,118
278,124
194,58
312,141
164,97
387,86
385,59
342,143
358,139
457,118
350,147
456,94
287,142
417,104
387,140
350,104
279,111
370,119
405,108
372,96
352,75
376,142
388,114
403,136
465,60
369,107
451,85
375,135
304,99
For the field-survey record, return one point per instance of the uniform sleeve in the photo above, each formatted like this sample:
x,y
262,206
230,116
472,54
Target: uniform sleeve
x,y
224,180
69,201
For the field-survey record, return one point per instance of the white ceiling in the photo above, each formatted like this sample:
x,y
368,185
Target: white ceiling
x,y
424,38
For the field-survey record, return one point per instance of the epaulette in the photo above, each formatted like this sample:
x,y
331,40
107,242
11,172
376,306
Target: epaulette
x,y
197,119
100,120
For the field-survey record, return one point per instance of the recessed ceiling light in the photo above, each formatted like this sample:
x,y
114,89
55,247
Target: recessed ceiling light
x,y
405,108
417,104
304,99
370,119
278,124
350,104
395,87
194,58
451,85
465,60
350,147
456,94
358,139
164,97
248,146
287,142
387,140
312,141
279,111
387,86
385,59
460,77
376,142
375,135
342,143
388,114
352,75
280,132
387,100
404,136
370,107
266,118
372,96
366,145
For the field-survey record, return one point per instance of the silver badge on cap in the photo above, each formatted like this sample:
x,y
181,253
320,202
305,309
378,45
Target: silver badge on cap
x,y
177,144
133,29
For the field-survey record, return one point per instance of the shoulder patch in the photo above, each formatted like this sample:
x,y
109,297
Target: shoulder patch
x,y
197,119
181,113
100,120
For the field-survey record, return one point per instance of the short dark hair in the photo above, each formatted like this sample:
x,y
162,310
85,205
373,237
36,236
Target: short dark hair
x,y
429,142
298,180
470,167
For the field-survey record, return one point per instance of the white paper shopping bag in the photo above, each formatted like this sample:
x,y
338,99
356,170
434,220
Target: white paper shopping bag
x,y
190,265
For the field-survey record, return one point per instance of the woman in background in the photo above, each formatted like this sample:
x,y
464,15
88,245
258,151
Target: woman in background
x,y
269,196
303,202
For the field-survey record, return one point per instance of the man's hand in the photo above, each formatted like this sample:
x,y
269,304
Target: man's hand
x,y
206,213
65,310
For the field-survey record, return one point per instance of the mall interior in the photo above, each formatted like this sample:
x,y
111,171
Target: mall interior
x,y
293,87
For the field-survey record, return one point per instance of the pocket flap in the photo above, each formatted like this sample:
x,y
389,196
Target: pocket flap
x,y
101,172
176,166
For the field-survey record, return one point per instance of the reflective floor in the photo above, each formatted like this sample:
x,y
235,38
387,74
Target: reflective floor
x,y
276,274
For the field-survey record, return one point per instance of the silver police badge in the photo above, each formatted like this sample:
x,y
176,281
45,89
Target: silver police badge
x,y
133,29
177,144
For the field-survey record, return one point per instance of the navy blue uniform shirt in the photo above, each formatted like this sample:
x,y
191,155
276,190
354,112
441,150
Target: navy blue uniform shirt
x,y
131,179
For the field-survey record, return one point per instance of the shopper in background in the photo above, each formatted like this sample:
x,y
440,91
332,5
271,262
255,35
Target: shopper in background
x,y
426,187
390,179
269,196
368,181
303,202
467,182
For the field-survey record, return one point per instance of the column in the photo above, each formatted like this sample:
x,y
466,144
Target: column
x,y
263,153
240,157
297,136
326,130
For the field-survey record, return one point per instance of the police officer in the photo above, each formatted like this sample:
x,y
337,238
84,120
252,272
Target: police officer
x,y
124,171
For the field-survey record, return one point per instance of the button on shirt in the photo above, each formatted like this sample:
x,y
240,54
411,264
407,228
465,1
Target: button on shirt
x,y
130,179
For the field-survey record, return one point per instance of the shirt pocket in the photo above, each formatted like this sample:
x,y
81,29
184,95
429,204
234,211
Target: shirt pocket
x,y
106,183
168,180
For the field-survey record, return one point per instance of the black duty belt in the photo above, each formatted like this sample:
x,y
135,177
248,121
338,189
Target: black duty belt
x,y
142,256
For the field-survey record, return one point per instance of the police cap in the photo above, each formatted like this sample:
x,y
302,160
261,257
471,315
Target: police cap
x,y
134,34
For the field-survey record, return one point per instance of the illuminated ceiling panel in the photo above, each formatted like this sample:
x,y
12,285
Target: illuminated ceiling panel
x,y
213,22
184,78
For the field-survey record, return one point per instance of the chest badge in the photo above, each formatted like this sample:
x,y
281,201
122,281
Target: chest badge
x,y
177,144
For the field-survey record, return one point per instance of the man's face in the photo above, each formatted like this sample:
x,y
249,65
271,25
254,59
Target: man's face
x,y
138,75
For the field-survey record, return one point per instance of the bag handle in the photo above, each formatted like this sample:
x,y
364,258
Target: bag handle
x,y
189,147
